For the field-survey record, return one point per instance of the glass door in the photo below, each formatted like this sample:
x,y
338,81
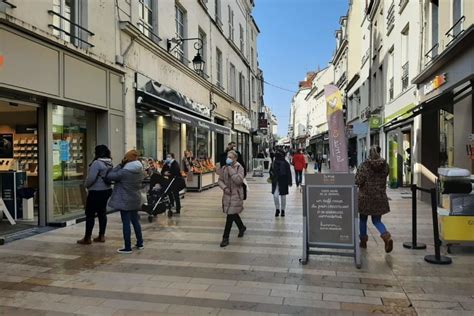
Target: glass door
x,y
74,138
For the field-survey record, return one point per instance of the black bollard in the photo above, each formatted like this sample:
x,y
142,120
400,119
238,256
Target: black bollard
x,y
437,258
413,244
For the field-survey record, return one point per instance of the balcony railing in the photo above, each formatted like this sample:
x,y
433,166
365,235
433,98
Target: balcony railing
x,y
391,18
147,30
11,5
431,54
390,90
456,30
405,77
73,26
402,5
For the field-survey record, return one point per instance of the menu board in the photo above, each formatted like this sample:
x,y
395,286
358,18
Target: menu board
x,y
330,206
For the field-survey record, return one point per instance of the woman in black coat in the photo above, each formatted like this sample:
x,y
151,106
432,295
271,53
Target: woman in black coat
x,y
172,170
280,173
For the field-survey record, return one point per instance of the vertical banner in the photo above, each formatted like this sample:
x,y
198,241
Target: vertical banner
x,y
337,131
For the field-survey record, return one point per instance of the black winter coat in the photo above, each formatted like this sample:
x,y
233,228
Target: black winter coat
x,y
175,172
280,172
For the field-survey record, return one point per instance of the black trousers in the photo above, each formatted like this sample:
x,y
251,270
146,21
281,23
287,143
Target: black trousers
x,y
231,218
175,200
97,204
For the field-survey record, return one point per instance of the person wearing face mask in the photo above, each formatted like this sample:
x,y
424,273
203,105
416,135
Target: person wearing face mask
x,y
172,170
231,180
232,146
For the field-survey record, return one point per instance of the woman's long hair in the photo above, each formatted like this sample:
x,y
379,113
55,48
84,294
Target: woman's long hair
x,y
102,151
374,153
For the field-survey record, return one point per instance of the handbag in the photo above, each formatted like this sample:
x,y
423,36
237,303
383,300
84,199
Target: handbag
x,y
245,187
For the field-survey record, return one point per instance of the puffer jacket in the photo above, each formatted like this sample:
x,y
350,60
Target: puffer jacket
x,y
97,171
371,178
232,177
126,195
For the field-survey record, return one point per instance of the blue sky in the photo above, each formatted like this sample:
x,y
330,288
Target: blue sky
x,y
296,36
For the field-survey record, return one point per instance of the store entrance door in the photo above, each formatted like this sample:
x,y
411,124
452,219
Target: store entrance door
x,y
19,161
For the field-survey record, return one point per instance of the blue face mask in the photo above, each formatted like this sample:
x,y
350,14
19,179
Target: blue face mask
x,y
229,161
168,160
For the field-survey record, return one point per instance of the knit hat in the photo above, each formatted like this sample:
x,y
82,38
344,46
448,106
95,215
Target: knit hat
x,y
131,155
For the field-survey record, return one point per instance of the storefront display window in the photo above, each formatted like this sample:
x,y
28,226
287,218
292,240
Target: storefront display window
x,y
74,137
171,138
146,135
446,138
191,139
202,142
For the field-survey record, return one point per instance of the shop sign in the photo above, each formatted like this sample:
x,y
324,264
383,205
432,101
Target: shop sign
x,y
184,118
434,84
375,121
2,61
242,120
162,92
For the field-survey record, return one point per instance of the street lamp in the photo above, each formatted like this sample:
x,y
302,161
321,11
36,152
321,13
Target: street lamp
x,y
198,62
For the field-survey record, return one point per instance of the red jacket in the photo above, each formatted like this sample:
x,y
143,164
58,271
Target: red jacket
x,y
299,162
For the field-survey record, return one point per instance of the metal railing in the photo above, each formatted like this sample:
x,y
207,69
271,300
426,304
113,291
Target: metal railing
x,y
455,30
391,18
147,30
402,4
74,25
11,5
405,76
432,54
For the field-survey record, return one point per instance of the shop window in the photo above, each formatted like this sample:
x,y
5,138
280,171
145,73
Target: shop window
x,y
171,138
446,138
202,143
74,139
191,139
146,135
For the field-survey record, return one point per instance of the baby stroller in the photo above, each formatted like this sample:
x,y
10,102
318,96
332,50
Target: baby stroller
x,y
157,197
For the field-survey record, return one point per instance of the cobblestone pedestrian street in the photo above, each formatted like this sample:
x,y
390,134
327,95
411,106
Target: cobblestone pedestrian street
x,y
182,269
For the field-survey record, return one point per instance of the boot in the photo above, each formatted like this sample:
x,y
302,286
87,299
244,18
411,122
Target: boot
x,y
282,213
85,241
387,239
242,232
277,213
225,242
363,241
100,238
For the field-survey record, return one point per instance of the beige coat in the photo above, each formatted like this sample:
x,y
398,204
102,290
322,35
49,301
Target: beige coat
x,y
232,177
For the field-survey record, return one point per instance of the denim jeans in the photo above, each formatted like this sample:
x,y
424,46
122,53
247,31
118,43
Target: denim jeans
x,y
298,177
277,198
376,220
127,217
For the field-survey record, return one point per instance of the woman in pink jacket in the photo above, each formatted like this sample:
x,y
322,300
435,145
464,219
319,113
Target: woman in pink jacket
x,y
231,181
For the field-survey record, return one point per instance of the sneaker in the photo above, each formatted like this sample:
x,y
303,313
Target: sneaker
x,y
124,251
139,247
241,232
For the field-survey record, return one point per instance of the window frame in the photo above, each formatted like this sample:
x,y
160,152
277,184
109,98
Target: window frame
x,y
232,81
242,40
231,23
180,49
219,77
146,27
203,36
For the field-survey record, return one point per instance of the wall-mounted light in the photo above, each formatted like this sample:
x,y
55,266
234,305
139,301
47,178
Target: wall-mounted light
x,y
198,62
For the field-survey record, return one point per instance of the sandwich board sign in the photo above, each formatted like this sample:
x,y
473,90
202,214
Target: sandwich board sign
x,y
330,221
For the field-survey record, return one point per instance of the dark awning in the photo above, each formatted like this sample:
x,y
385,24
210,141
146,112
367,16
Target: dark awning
x,y
180,117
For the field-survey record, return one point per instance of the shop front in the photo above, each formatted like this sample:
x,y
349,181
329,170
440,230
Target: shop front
x,y
169,122
446,108
241,136
49,127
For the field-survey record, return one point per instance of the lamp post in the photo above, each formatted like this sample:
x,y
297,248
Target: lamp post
x,y
198,62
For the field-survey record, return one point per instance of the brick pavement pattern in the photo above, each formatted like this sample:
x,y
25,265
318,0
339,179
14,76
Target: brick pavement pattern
x,y
183,271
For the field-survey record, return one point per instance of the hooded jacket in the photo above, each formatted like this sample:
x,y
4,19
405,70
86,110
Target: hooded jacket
x,y
128,184
98,169
371,178
232,178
